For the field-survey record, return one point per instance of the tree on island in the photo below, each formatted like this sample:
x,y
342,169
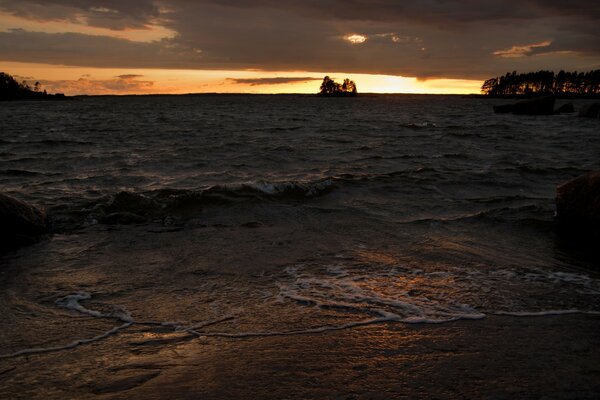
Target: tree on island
x,y
11,89
329,87
567,84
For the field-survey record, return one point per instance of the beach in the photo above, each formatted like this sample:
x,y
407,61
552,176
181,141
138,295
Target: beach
x,y
296,247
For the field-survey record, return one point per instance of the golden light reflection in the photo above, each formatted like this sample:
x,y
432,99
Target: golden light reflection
x,y
378,257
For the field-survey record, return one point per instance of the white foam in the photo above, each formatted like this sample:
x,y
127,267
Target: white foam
x,y
71,302
435,297
366,294
307,331
71,345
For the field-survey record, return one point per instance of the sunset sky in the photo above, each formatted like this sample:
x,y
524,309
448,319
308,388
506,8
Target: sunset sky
x,y
287,46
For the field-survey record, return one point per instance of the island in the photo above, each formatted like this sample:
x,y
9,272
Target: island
x,y
330,88
11,89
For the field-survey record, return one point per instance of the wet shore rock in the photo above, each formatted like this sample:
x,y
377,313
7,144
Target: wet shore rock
x,y
578,205
590,111
20,223
565,109
538,106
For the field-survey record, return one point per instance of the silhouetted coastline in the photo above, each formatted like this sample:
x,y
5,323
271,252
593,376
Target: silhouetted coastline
x,y
11,89
563,85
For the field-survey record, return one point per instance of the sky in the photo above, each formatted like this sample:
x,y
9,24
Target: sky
x,y
288,46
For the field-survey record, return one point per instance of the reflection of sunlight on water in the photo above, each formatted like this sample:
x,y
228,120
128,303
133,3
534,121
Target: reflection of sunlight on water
x,y
373,256
392,295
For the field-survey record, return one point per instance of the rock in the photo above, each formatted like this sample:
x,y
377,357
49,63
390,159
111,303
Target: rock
x,y
504,108
590,111
20,223
565,109
578,204
537,106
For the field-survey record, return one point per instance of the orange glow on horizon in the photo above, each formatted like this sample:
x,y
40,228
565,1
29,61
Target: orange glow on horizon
x,y
84,80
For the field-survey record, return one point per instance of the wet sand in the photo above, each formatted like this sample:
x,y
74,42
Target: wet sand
x,y
496,358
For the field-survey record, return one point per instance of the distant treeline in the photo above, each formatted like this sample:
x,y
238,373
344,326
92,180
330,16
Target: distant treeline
x,y
329,87
11,89
565,84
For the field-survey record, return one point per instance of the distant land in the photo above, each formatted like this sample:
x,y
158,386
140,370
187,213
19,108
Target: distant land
x,y
563,84
330,88
11,89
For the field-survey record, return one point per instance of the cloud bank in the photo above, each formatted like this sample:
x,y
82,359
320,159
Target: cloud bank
x,y
465,39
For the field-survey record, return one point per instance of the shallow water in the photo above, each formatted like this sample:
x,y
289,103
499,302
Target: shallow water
x,y
237,216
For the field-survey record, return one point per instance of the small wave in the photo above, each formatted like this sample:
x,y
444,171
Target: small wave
x,y
419,125
59,142
369,294
416,296
542,170
18,172
526,214
132,207
72,302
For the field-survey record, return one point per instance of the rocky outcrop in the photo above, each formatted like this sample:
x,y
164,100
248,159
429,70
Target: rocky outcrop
x,y
538,106
578,204
20,223
590,111
565,109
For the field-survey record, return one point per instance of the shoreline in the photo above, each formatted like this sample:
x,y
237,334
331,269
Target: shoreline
x,y
497,357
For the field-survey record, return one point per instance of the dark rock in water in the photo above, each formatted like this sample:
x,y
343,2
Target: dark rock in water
x,y
578,204
590,111
20,223
565,109
504,108
538,106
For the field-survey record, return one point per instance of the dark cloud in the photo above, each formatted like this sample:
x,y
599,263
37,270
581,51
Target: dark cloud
x,y
91,51
89,85
129,76
112,14
425,38
443,12
271,81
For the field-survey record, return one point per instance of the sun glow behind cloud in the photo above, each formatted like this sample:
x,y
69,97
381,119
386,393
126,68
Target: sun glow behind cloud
x,y
356,38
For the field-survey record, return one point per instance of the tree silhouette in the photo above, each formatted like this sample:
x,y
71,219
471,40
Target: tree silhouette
x,y
11,89
544,82
331,88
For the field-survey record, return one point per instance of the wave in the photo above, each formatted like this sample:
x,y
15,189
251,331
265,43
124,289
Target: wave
x,y
527,215
59,142
18,172
132,207
137,207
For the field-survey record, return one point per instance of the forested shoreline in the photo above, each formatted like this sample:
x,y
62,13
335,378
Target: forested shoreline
x,y
11,89
561,84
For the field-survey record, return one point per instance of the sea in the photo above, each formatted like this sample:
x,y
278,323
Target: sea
x,y
235,216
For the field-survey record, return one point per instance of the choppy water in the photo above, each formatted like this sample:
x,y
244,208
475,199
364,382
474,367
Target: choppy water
x,y
260,215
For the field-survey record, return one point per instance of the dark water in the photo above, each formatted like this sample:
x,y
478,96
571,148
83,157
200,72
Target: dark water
x,y
260,215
